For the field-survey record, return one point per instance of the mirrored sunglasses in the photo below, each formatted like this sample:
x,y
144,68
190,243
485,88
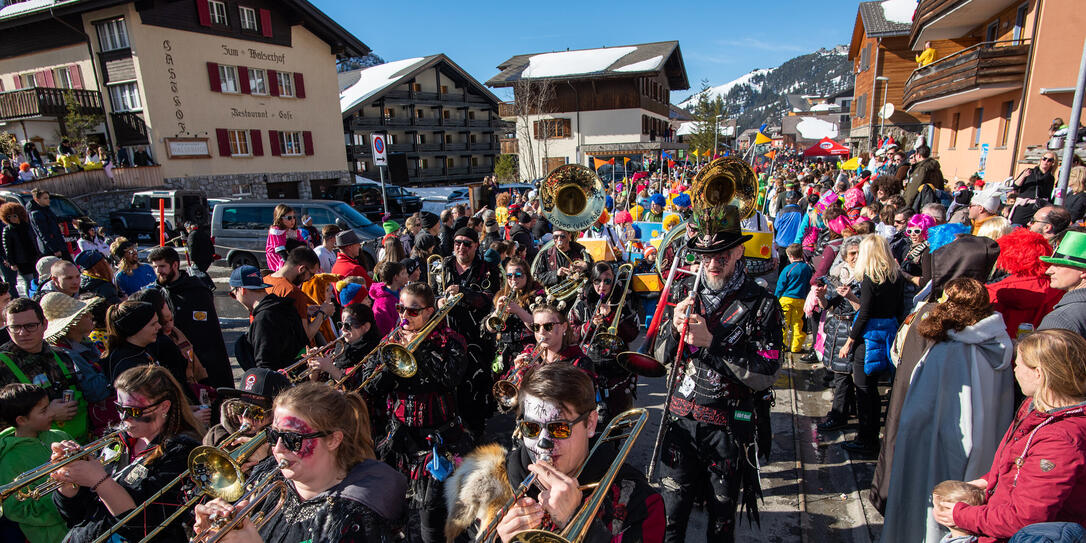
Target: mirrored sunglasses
x,y
558,429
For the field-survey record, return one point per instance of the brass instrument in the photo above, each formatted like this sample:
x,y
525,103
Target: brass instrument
x,y
496,320
255,496
571,197
401,357
626,426
505,390
609,339
334,348
108,447
362,362
726,182
435,273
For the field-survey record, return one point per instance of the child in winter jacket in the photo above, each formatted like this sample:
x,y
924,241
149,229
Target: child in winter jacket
x,y
392,276
792,287
25,445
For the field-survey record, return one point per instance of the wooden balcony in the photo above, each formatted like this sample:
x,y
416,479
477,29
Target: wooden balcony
x,y
130,128
453,122
509,146
507,110
983,70
950,19
46,102
456,146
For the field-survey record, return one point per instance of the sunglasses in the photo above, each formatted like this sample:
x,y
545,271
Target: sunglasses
x,y
464,242
558,429
136,413
913,231
1046,159
410,311
291,440
606,281
511,275
288,217
353,323
548,326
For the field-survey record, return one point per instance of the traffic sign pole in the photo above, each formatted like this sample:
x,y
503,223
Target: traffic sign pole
x,y
384,199
380,159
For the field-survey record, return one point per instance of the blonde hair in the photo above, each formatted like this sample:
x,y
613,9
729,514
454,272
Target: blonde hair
x,y
331,410
994,228
876,261
1060,356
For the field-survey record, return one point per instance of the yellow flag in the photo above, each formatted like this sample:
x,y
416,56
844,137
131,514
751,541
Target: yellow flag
x,y
762,138
695,152
625,160
851,164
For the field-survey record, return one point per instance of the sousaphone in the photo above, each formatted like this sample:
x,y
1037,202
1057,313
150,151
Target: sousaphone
x,y
572,197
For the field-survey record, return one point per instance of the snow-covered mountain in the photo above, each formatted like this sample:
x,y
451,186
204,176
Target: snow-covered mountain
x,y
759,96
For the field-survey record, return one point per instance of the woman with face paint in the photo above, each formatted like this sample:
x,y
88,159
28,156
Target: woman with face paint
x,y
337,491
160,431
553,344
424,435
556,419
616,384
518,293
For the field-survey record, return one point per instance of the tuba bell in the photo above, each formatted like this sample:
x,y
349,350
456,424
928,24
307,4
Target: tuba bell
x,y
727,181
572,197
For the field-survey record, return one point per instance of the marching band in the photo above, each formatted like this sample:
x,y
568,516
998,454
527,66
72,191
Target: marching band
x,y
384,439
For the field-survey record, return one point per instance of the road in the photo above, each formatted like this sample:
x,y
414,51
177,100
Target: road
x,y
811,486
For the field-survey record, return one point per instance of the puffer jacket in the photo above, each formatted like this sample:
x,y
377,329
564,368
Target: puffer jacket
x,y
836,324
1038,475
384,308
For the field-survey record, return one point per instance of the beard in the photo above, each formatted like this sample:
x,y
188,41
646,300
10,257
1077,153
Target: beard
x,y
715,282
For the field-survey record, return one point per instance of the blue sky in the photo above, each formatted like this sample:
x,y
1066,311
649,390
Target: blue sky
x,y
720,40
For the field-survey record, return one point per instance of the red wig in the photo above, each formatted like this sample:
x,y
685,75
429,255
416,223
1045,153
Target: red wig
x,y
1020,253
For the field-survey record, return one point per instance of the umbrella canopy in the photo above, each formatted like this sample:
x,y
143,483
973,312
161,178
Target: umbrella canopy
x,y
826,147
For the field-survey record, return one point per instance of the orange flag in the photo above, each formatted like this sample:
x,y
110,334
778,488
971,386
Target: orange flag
x,y
770,155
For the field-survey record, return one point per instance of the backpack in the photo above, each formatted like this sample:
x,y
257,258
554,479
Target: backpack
x,y
924,196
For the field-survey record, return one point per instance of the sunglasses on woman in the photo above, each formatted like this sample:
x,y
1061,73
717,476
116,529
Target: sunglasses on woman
x,y
511,275
136,413
410,311
352,323
916,231
291,440
606,281
558,429
548,326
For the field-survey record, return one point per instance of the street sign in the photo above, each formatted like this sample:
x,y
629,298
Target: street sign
x,y
380,153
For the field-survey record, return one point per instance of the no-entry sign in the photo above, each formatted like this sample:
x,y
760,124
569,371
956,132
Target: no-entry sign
x,y
377,143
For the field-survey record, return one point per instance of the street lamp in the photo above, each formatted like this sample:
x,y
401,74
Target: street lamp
x,y
882,118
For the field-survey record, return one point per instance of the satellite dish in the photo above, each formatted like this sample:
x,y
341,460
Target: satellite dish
x,y
887,111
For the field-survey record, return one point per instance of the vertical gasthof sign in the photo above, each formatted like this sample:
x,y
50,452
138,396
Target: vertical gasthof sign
x,y
983,160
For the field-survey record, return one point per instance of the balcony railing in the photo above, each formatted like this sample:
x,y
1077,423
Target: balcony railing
x,y
431,172
951,19
46,102
456,146
453,122
987,66
483,146
507,109
459,170
479,122
130,128
426,121
428,147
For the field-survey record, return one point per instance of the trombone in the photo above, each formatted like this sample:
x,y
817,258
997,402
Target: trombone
x,y
334,347
401,357
435,273
107,446
347,373
609,340
626,426
505,390
255,495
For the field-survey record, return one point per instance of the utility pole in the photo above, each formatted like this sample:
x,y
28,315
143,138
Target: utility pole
x,y
1072,129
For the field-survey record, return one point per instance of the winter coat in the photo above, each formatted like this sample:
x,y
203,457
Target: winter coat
x,y
38,519
384,308
97,286
835,326
47,227
276,333
1069,313
348,267
787,225
201,250
958,404
925,172
1038,475
20,247
276,244
1023,299
194,314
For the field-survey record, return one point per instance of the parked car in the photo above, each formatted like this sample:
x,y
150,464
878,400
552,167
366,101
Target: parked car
x,y
366,198
139,222
65,210
239,228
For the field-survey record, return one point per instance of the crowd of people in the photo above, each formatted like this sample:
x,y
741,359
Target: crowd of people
x,y
26,162
371,392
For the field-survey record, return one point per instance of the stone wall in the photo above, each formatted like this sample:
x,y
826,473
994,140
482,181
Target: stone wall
x,y
99,204
253,184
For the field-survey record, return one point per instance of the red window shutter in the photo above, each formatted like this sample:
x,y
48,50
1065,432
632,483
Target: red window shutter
x,y
307,141
204,11
213,75
243,75
1,85
256,142
299,85
76,75
224,141
18,82
273,83
273,141
265,23
44,78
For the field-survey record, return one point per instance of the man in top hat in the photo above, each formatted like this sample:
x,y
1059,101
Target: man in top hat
x,y
1067,271
250,403
708,449
348,261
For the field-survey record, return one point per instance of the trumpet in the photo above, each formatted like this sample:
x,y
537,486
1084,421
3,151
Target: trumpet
x,y
334,348
505,390
496,320
401,356
435,270
257,493
626,426
339,383
107,447
609,340
558,294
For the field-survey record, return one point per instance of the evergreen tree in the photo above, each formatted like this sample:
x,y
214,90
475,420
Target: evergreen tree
x,y
505,168
705,110
77,121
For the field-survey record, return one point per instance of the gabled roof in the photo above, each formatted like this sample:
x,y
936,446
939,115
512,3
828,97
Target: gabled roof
x,y
876,25
604,62
358,88
343,43
798,102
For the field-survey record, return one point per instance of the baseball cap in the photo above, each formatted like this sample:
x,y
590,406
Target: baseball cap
x,y
247,277
258,386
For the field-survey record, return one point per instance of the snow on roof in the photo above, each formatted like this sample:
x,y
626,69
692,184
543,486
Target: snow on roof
x,y
574,62
823,107
23,7
643,66
899,11
374,80
810,128
687,128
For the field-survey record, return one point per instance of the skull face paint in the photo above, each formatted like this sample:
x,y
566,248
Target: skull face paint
x,y
295,424
543,445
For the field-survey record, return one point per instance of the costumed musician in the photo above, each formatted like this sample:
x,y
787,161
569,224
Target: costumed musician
x,y
517,295
466,272
556,420
250,404
159,432
736,329
336,491
422,412
554,344
617,385
561,259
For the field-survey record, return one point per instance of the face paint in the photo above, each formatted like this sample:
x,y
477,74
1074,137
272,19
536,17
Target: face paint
x,y
295,424
542,411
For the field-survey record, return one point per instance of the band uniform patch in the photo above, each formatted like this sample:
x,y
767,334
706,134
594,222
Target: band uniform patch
x,y
199,315
138,473
1047,465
